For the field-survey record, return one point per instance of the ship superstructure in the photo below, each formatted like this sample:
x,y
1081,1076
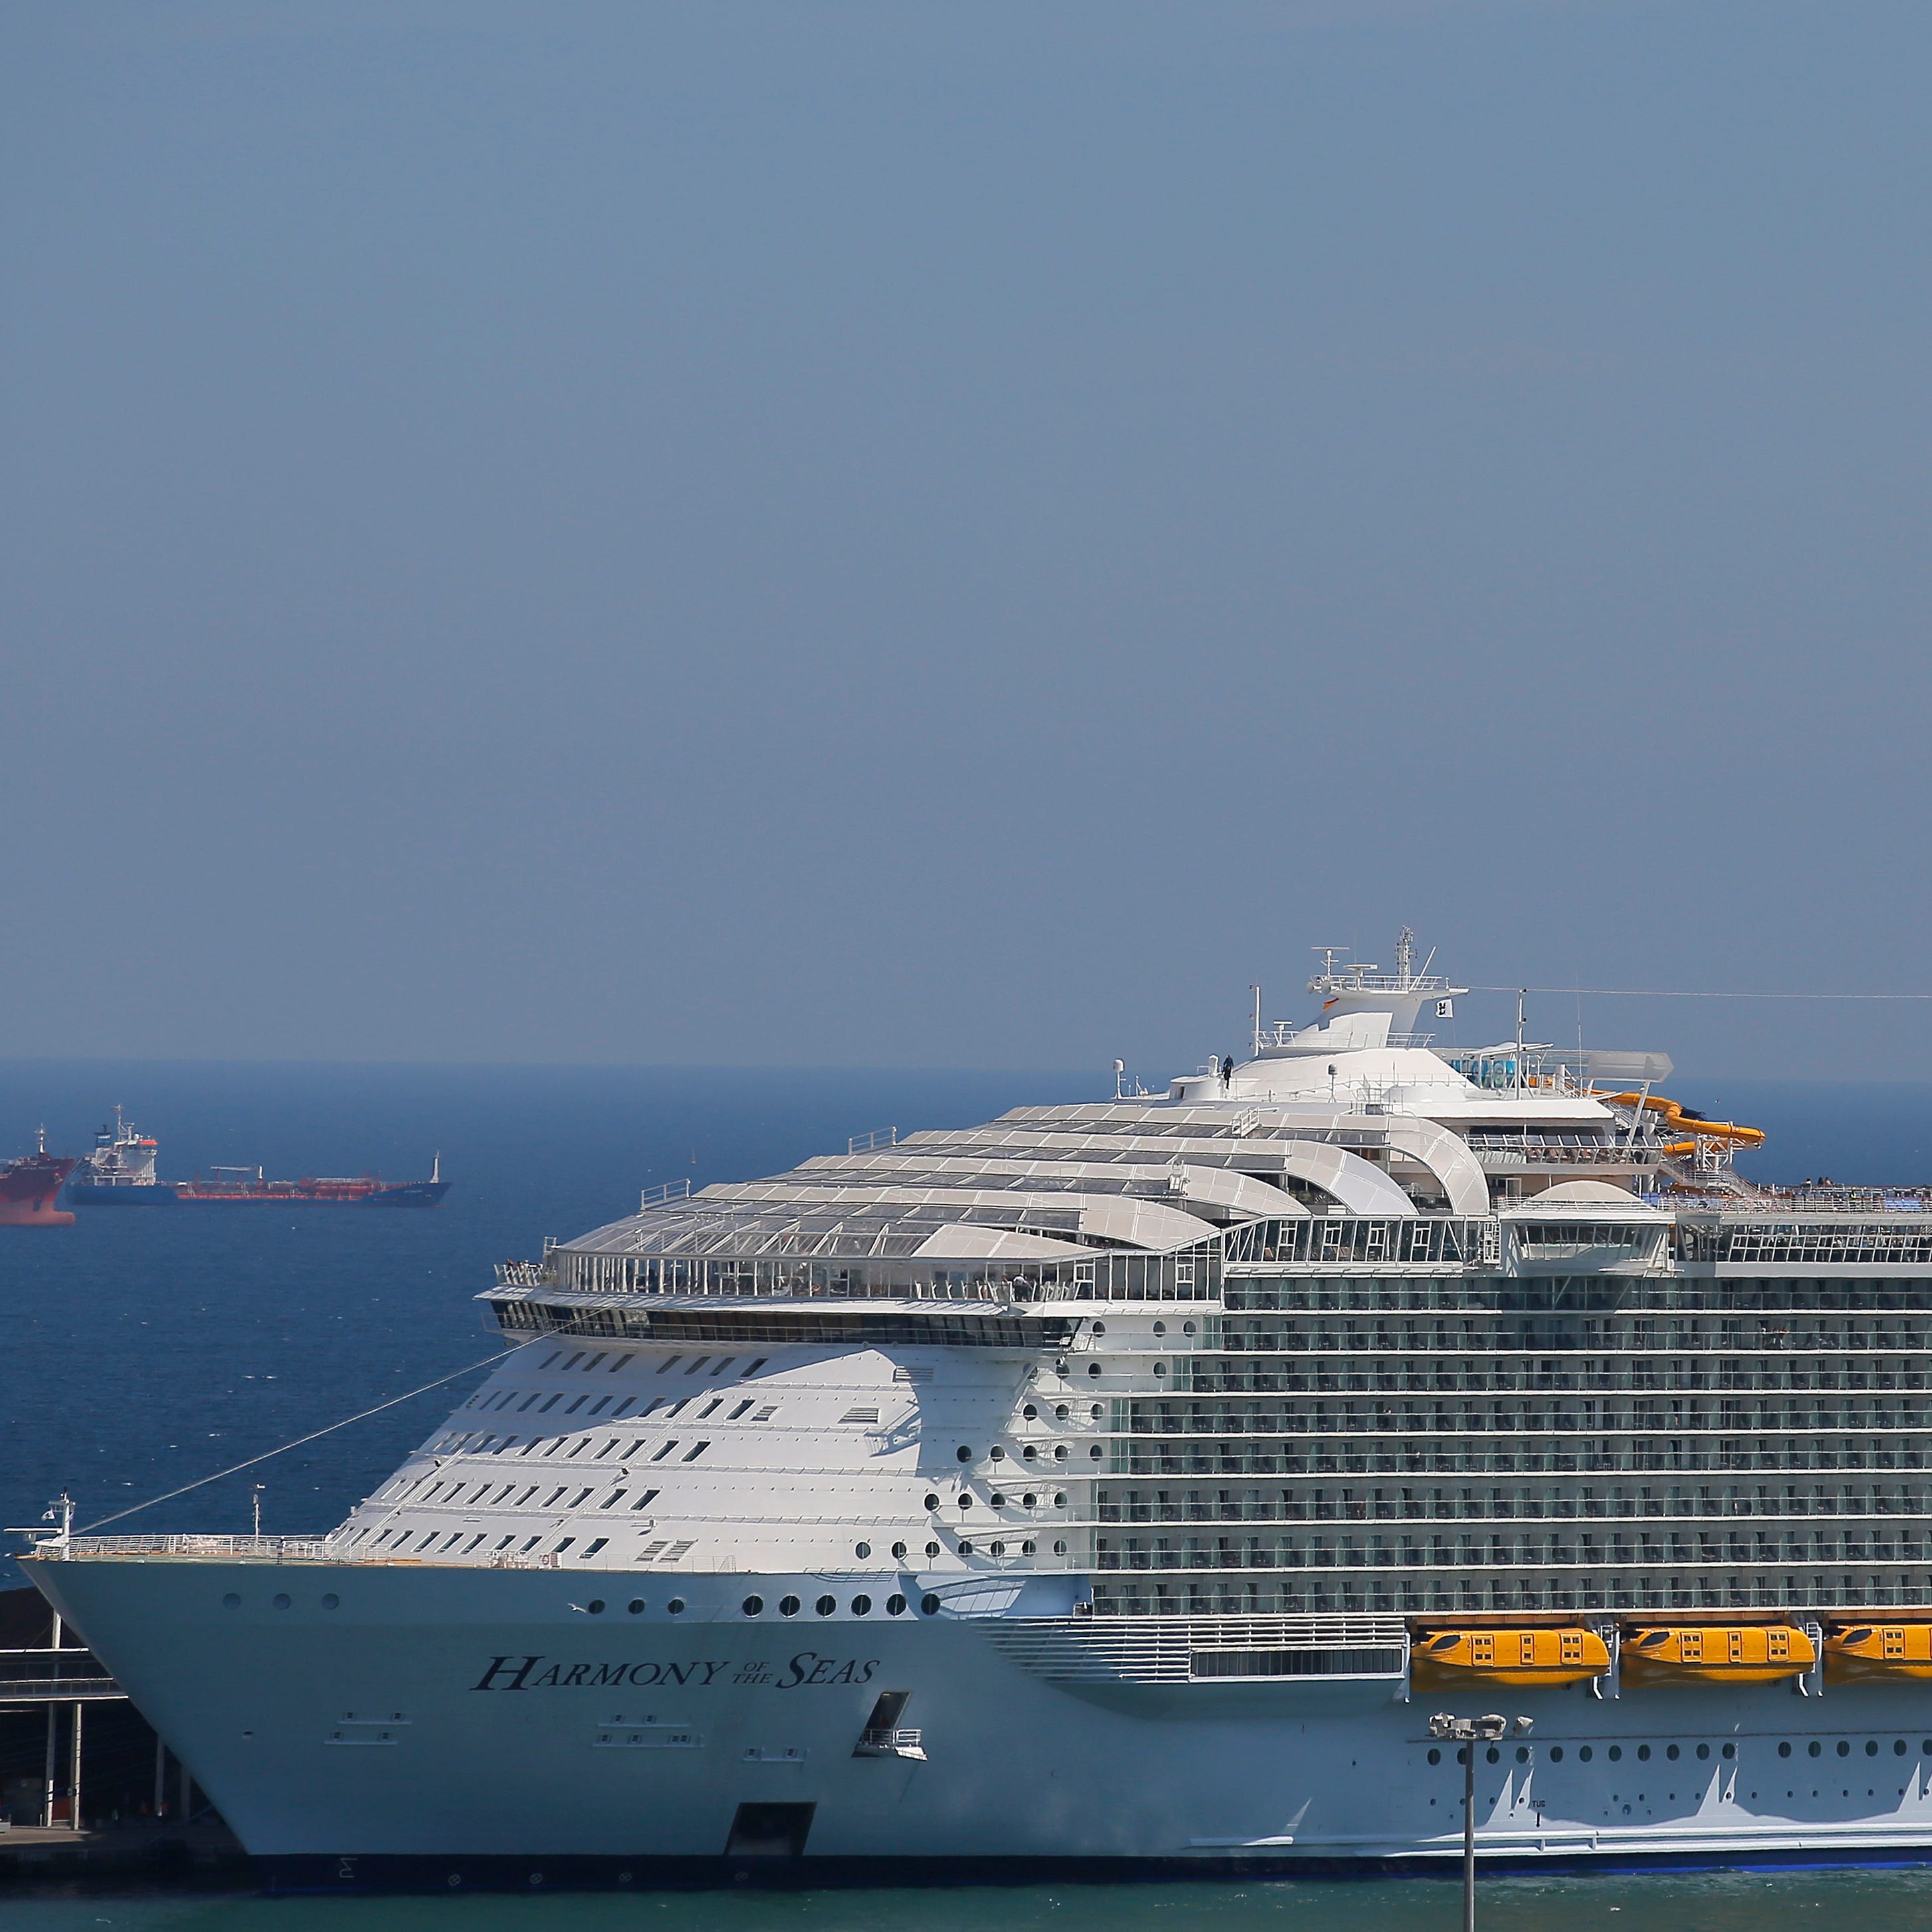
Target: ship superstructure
x,y
119,1170
1207,1442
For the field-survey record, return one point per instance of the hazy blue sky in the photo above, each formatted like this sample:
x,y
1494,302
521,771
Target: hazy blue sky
x,y
919,534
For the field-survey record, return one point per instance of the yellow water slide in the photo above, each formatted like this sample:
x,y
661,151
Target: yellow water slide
x,y
1676,1120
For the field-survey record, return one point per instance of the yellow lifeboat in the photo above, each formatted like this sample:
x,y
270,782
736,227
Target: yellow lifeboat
x,y
1522,1658
1714,1653
1866,1653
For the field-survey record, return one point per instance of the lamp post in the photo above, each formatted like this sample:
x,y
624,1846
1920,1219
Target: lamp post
x,y
1469,1732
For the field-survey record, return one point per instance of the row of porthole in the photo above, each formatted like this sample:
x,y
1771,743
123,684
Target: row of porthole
x,y
997,1454
281,1601
998,1501
861,1606
1615,1752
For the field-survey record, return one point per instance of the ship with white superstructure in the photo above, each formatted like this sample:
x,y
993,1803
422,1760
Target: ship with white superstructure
x,y
1121,1489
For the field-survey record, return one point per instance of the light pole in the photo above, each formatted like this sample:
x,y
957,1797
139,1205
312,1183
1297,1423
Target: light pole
x,y
1469,1732
258,1508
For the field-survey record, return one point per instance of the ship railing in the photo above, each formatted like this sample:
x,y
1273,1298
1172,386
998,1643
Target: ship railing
x,y
522,1274
881,1742
666,1191
92,1689
226,1549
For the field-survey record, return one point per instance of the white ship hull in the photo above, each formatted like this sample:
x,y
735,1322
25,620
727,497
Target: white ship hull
x,y
448,1726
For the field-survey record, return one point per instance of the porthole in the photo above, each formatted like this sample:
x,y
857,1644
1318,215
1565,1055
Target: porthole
x,y
1160,1328
1494,1756
1093,1368
1030,1453
1898,1748
1095,1412
233,1602
1098,1328
1187,1327
1435,1756
997,1501
932,1550
1095,1452
754,1606
636,1606
895,1607
332,1602
1523,1753
1643,1753
1729,1751
1616,1753
998,1454
826,1605
1703,1751
862,1606
676,1606
1586,1753
928,1605
1062,1411
281,1601
862,1550
965,1500
787,1606
1027,1502
1031,1413
932,1502
1059,1456
1556,1753
1871,1748
1160,1368
899,1552
1059,1549
965,1454
596,1607
1060,1502
1814,1749
1028,1549
1844,1747
965,1548
996,1549
1784,1749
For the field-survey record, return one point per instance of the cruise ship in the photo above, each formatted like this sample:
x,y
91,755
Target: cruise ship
x,y
1124,1488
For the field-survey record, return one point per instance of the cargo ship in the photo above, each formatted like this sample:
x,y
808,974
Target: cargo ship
x,y
120,1170
120,1173
27,1186
249,1184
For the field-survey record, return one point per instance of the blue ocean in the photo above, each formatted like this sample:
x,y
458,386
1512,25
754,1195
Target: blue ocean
x,y
145,1348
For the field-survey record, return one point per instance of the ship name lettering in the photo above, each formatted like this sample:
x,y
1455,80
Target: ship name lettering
x,y
511,1672
809,1667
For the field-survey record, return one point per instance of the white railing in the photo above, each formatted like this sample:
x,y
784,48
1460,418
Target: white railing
x,y
878,1138
227,1549
670,1190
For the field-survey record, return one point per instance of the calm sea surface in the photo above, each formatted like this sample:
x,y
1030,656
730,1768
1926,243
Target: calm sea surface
x,y
140,1350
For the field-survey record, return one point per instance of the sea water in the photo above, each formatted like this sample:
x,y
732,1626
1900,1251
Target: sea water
x,y
143,1349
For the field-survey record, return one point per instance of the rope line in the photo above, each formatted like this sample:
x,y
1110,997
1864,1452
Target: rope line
x,y
1660,993
200,1482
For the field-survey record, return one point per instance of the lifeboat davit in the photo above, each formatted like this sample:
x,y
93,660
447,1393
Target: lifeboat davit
x,y
1523,1658
1715,1653
1873,1652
